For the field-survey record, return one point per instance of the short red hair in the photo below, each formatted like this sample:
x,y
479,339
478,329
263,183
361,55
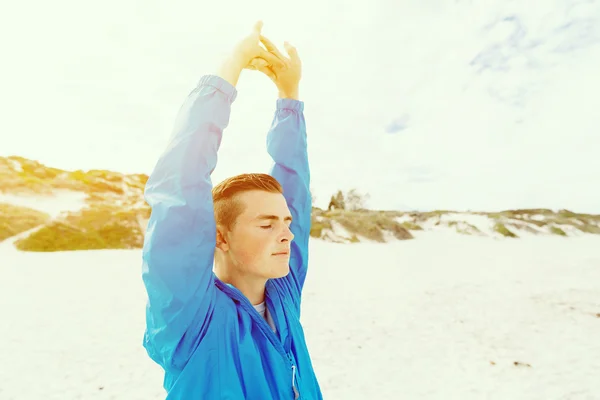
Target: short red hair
x,y
227,207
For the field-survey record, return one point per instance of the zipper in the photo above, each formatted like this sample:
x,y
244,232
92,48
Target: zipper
x,y
236,294
296,394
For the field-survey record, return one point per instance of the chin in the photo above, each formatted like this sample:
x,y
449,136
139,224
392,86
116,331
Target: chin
x,y
280,271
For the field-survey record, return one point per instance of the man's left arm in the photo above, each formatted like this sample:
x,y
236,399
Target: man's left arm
x,y
287,146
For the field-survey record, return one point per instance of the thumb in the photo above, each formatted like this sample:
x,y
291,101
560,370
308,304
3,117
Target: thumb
x,y
291,50
258,27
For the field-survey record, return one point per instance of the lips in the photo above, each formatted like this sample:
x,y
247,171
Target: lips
x,y
282,253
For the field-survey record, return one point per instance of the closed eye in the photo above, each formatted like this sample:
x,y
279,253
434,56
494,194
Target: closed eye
x,y
266,226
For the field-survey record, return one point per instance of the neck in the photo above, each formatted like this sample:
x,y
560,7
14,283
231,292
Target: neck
x,y
251,286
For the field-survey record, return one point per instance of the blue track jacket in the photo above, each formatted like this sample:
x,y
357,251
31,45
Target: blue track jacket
x,y
205,334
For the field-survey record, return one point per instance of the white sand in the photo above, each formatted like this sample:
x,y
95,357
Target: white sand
x,y
60,201
420,319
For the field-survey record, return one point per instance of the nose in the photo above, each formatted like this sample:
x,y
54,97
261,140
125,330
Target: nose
x,y
287,235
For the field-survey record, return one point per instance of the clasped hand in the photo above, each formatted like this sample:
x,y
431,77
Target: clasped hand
x,y
284,71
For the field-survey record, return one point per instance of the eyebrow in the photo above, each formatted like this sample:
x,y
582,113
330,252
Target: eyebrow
x,y
273,217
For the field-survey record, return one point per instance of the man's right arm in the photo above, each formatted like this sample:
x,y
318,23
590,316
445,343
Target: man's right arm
x,y
179,245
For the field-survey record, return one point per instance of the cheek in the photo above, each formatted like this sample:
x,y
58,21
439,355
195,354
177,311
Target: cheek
x,y
251,249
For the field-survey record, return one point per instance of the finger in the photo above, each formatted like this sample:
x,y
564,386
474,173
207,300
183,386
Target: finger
x,y
262,65
265,69
255,62
271,47
258,26
291,50
272,59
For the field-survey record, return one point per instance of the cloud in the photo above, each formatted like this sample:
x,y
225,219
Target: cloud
x,y
398,125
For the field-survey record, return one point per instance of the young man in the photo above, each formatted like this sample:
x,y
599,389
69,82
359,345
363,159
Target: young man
x,y
234,333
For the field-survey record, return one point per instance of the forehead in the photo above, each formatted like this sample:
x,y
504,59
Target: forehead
x,y
257,203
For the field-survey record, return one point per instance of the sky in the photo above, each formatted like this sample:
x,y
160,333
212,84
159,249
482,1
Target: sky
x,y
464,105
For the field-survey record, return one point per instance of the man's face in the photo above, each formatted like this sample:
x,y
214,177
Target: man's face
x,y
259,243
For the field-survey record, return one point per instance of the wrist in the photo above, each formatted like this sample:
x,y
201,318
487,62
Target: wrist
x,y
289,94
230,69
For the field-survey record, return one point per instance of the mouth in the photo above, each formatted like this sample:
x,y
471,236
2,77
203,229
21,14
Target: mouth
x,y
282,253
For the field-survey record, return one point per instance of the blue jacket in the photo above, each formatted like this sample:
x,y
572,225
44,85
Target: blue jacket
x,y
206,335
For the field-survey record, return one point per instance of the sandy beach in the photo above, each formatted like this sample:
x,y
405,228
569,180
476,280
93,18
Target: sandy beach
x,y
443,316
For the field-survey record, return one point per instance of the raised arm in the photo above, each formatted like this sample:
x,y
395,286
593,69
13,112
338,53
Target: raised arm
x,y
286,143
180,240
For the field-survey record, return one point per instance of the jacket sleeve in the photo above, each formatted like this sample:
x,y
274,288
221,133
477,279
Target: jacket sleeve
x,y
179,245
287,146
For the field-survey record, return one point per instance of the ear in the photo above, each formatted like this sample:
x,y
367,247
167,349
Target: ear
x,y
222,243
